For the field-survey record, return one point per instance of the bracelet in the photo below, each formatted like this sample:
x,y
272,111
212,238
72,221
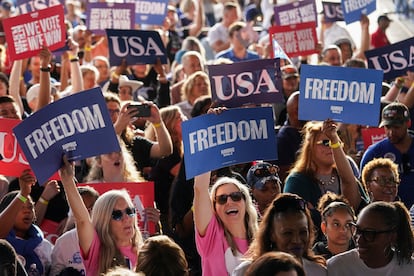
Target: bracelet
x,y
22,198
157,125
45,69
43,201
87,48
75,59
335,145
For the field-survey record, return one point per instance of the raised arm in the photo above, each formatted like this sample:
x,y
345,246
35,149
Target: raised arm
x,y
14,81
203,207
8,216
44,89
195,27
349,185
163,146
75,71
84,224
365,38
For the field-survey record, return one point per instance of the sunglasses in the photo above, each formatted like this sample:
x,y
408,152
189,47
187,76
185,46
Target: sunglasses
x,y
235,196
118,214
324,142
283,204
266,171
368,235
406,164
385,181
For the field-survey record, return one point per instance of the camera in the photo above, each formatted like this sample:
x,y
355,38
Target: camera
x,y
143,110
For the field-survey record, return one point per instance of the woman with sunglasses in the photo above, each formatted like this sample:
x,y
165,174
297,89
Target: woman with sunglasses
x,y
287,227
225,222
322,166
384,243
337,225
380,178
110,237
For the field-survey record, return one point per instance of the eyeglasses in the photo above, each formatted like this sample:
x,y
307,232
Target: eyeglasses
x,y
324,142
386,181
265,171
368,235
235,196
283,204
406,164
118,214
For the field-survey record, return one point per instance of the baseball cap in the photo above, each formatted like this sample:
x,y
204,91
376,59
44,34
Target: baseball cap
x,y
383,17
394,114
289,71
260,173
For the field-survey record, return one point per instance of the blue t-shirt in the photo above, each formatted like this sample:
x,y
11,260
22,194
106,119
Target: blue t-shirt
x,y
405,163
229,53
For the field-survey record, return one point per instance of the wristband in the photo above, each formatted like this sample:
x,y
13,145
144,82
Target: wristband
x,y
22,198
87,48
43,201
75,59
156,125
45,69
335,145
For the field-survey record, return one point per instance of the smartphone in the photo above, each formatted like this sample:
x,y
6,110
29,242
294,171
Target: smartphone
x,y
144,110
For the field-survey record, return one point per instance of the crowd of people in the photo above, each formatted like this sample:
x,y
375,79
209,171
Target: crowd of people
x,y
329,205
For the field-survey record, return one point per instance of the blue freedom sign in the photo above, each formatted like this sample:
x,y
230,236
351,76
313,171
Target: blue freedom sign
x,y
247,82
235,136
151,12
70,126
394,60
347,95
137,46
353,10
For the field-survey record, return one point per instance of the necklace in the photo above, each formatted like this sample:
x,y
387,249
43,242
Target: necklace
x,y
327,180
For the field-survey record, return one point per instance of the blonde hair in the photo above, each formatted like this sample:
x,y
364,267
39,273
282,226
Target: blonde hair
x,y
130,172
250,218
189,84
110,256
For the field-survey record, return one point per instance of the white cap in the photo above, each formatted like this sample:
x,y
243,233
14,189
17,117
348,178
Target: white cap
x,y
33,92
134,84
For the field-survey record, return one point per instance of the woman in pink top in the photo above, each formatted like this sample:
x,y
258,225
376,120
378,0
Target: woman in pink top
x,y
225,223
110,237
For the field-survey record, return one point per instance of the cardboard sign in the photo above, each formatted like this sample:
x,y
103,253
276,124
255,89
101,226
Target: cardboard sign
x,y
296,40
372,135
101,16
353,10
248,82
26,6
296,12
347,95
70,126
151,12
142,195
332,11
235,136
394,60
27,33
12,159
138,47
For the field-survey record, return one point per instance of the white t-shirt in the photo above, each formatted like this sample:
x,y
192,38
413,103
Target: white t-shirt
x,y
66,253
349,263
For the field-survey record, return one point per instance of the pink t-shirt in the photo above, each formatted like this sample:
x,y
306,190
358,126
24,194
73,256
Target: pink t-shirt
x,y
216,256
91,261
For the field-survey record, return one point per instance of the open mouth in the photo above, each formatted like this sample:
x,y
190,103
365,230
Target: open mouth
x,y
232,212
117,164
